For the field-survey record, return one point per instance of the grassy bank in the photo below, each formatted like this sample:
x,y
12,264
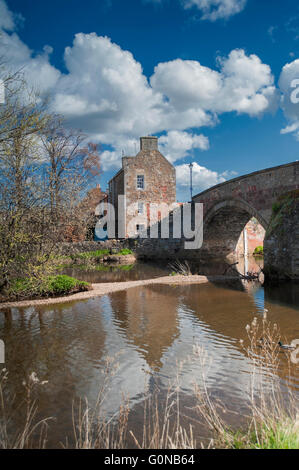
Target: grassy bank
x,y
48,286
100,254
91,258
103,267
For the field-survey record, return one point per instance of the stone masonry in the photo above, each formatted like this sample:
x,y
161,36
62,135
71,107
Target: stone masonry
x,y
148,178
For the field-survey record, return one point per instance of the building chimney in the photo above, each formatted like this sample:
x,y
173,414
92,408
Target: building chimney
x,y
148,143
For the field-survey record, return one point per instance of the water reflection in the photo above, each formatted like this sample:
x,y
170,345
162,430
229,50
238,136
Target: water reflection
x,y
141,270
110,273
150,330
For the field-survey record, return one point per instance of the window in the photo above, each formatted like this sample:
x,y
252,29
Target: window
x,y
140,207
139,228
140,181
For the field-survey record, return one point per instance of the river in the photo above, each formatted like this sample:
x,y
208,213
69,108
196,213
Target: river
x,y
151,332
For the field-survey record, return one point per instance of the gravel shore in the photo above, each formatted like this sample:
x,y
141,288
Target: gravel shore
x,y
109,287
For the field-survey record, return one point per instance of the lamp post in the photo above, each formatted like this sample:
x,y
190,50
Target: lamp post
x,y
191,188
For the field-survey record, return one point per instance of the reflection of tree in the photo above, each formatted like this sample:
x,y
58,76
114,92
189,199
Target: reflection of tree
x,y
115,273
62,345
148,316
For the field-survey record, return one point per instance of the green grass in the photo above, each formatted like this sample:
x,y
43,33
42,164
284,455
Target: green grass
x,y
102,267
89,255
280,435
125,251
49,286
270,435
62,284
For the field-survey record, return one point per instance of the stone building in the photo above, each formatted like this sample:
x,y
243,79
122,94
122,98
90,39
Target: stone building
x,y
148,178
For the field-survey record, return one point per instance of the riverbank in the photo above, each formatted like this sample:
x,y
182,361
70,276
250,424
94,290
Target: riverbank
x,y
99,289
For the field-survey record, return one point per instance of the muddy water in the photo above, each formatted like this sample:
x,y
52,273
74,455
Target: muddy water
x,y
140,270
149,330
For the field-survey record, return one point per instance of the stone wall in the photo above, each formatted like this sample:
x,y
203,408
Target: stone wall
x,y
255,192
281,245
152,249
230,205
159,183
83,247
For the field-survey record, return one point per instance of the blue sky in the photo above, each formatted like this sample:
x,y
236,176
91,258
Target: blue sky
x,y
211,78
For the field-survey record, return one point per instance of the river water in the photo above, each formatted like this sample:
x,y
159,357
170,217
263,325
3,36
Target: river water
x,y
150,332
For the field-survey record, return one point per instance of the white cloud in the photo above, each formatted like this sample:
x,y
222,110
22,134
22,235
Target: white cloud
x,y
177,144
105,93
6,17
37,70
216,9
202,177
244,84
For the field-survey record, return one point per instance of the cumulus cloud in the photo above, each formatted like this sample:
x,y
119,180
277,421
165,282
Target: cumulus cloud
x,y
105,93
202,177
244,84
216,9
176,144
36,68
7,21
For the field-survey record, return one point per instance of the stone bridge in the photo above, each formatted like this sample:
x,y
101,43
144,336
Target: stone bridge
x,y
271,196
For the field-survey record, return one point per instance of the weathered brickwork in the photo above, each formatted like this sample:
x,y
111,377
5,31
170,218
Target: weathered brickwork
x,y
230,205
227,208
255,192
156,178
282,239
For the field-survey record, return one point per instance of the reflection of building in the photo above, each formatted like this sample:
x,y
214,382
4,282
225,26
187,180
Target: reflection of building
x,y
144,179
149,319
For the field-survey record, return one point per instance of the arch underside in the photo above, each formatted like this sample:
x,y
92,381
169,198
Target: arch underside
x,y
223,225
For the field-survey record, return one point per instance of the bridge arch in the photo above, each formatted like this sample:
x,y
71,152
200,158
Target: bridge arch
x,y
223,225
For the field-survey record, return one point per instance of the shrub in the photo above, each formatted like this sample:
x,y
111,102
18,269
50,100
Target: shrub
x,y
125,251
63,284
91,254
49,285
259,250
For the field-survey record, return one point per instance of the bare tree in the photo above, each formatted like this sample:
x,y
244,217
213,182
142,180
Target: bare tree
x,y
45,170
70,168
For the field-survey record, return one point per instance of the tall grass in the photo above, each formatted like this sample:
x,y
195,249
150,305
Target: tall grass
x,y
161,429
31,430
272,421
181,267
273,418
